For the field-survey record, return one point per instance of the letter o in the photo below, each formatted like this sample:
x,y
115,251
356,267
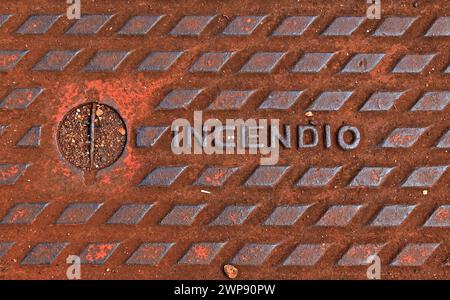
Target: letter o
x,y
356,137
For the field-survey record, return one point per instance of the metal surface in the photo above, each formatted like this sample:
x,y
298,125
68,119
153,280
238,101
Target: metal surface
x,y
318,213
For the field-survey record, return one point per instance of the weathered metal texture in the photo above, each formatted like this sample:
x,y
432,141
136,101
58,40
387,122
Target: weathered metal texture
x,y
320,212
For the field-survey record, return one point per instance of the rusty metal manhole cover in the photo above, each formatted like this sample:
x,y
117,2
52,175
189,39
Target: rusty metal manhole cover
x,y
92,167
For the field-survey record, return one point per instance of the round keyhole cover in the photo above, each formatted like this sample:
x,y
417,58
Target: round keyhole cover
x,y
92,136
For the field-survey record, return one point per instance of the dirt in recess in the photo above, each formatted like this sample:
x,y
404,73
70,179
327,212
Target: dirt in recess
x,y
74,137
96,124
110,136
